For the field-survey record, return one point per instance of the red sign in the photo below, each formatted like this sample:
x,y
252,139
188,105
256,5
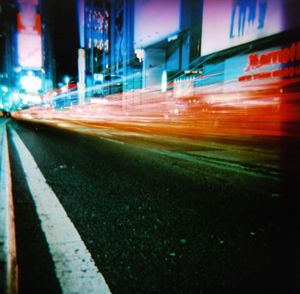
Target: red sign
x,y
284,56
281,56
22,27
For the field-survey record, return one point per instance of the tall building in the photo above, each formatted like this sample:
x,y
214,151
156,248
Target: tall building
x,y
48,63
7,27
28,55
106,36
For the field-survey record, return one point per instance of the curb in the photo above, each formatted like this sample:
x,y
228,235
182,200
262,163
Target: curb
x,y
8,261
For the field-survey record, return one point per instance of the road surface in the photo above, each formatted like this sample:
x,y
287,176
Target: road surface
x,y
153,221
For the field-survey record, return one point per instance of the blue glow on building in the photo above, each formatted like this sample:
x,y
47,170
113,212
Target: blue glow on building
x,y
80,9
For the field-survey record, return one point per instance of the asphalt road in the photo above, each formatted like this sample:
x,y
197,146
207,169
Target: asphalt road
x,y
157,224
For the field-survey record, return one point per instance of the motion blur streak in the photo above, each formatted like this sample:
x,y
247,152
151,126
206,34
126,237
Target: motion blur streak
x,y
231,109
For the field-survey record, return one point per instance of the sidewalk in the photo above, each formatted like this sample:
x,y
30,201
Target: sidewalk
x,y
8,264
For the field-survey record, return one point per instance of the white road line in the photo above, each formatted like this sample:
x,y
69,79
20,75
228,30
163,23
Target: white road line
x,y
74,266
112,140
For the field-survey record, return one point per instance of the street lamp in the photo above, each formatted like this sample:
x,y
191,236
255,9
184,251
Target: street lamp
x,y
4,89
66,80
164,82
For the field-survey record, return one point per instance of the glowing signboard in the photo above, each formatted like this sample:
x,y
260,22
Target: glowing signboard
x,y
29,50
278,63
29,35
31,83
229,23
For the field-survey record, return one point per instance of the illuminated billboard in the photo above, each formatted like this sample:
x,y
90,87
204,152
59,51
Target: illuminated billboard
x,y
29,38
155,20
229,23
31,83
266,65
30,48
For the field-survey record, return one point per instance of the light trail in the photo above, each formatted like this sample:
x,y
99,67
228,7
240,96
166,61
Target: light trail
x,y
257,122
229,108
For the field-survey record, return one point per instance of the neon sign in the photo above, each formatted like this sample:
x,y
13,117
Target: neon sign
x,y
285,57
281,56
29,35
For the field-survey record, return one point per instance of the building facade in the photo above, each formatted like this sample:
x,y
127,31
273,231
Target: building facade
x,y
106,36
7,28
28,62
210,38
169,34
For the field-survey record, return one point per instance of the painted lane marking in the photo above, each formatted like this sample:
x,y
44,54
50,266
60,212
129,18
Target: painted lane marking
x,y
74,266
112,140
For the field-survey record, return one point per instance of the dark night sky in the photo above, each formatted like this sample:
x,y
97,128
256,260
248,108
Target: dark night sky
x,y
64,28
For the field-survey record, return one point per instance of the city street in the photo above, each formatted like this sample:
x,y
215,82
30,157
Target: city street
x,y
149,146
157,219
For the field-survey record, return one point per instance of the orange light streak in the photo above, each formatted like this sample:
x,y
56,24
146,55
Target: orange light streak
x,y
231,108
